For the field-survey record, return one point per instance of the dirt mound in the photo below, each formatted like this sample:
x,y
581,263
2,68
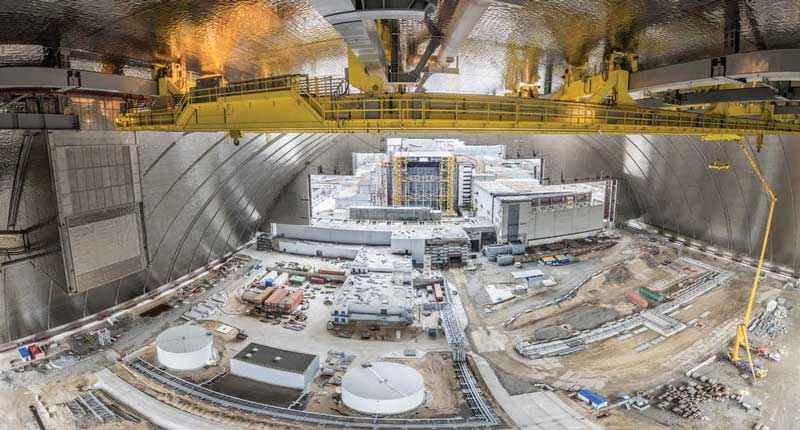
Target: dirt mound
x,y
551,332
588,317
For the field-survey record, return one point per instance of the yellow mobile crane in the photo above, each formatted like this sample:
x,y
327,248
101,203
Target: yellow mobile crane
x,y
741,340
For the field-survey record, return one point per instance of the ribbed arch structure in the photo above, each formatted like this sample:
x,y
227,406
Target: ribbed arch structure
x,y
202,198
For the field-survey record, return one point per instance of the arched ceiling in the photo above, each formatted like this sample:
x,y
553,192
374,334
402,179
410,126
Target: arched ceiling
x,y
258,37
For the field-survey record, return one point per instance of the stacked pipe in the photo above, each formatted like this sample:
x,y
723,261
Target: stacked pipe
x,y
686,400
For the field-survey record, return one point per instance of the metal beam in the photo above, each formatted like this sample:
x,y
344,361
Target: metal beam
x,y
465,17
758,94
19,179
759,66
302,104
37,121
66,79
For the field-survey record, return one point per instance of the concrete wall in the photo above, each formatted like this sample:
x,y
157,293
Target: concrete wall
x,y
312,249
415,247
536,227
334,234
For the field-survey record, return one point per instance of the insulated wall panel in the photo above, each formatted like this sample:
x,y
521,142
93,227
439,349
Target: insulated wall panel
x,y
98,193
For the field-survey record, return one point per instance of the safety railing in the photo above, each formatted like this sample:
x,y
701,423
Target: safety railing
x,y
312,88
328,96
508,111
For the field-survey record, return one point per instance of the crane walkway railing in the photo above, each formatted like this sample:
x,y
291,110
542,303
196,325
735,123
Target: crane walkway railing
x,y
338,111
507,112
310,88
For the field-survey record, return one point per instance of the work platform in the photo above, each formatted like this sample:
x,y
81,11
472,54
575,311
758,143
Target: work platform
x,y
298,103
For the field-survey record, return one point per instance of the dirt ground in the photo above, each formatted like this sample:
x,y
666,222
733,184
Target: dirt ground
x,y
600,294
200,375
612,366
440,383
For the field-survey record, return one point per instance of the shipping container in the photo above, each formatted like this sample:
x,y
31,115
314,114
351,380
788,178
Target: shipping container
x,y
272,304
24,354
331,272
505,260
317,280
597,401
291,302
650,295
297,279
636,299
34,350
256,296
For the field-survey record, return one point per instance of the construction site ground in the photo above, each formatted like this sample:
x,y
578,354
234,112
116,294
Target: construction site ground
x,y
610,367
316,338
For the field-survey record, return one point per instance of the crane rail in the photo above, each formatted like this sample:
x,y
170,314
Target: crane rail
x,y
230,402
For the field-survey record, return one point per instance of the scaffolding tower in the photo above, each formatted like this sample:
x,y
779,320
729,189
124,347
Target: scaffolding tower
x,y
427,181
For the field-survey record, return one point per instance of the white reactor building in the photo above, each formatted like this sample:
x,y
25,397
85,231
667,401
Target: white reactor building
x,y
383,388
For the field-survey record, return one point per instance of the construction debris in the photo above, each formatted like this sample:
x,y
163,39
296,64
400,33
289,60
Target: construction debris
x,y
686,400
773,321
617,274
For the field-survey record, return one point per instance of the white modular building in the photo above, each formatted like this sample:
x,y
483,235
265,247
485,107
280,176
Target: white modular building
x,y
383,388
531,278
275,366
526,212
185,347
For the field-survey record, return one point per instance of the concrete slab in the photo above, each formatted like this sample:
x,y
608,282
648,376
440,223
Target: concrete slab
x,y
544,410
534,411
494,340
498,294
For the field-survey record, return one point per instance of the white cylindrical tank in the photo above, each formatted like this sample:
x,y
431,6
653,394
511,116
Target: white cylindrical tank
x,y
383,388
185,347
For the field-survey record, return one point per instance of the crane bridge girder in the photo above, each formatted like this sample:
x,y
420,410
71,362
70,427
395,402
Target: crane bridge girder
x,y
297,103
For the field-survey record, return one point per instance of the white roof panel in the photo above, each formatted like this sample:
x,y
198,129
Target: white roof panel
x,y
382,381
183,339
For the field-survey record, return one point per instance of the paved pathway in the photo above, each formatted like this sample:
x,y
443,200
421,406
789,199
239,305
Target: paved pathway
x,y
533,411
156,412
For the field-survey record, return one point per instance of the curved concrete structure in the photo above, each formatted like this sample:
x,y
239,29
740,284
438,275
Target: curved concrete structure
x,y
185,347
383,388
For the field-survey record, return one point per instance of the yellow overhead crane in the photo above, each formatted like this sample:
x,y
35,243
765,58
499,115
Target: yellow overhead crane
x,y
299,103
741,340
609,87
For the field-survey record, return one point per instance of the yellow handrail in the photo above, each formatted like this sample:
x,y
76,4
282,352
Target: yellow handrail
x,y
422,111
